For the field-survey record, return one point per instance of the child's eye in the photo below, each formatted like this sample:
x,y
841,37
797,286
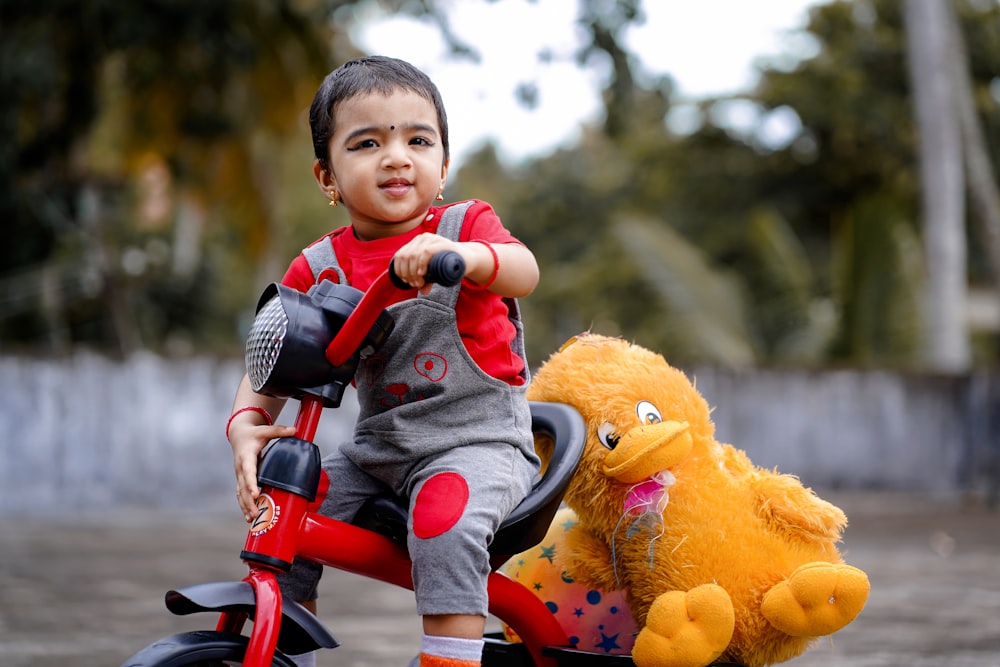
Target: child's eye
x,y
420,141
366,143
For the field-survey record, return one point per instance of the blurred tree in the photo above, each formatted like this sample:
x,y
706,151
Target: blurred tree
x,y
939,132
817,225
858,146
143,141
156,148
150,166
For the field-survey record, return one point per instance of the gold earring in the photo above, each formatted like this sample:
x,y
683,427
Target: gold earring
x,y
440,197
333,198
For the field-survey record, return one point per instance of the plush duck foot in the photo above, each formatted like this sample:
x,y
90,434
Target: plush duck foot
x,y
685,629
816,600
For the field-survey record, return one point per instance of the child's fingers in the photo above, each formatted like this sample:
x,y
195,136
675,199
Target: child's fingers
x,y
410,261
247,490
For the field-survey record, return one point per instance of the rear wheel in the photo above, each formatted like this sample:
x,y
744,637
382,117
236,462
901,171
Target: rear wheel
x,y
201,648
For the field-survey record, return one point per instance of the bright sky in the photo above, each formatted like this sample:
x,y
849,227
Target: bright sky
x,y
707,46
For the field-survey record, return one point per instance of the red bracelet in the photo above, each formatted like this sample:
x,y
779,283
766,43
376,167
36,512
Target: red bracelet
x,y
249,408
496,267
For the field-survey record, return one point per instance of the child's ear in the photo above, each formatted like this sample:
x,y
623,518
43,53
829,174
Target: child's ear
x,y
326,182
324,179
444,172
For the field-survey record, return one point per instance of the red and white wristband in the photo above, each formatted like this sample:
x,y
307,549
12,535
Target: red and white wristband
x,y
249,408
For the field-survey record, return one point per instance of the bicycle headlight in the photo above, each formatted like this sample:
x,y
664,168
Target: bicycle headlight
x,y
265,341
286,346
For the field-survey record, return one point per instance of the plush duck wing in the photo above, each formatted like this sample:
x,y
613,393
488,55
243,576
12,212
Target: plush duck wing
x,y
788,506
589,559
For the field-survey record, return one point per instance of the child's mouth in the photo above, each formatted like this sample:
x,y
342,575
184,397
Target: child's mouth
x,y
396,187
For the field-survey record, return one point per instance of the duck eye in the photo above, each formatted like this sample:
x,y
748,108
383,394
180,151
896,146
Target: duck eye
x,y
647,413
606,434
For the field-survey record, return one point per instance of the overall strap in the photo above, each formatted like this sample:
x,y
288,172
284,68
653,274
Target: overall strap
x,y
451,220
450,227
320,257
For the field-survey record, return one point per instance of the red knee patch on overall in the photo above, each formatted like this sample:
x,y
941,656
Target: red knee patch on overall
x,y
439,504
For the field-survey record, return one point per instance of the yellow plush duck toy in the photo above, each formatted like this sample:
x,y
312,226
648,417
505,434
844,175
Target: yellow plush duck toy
x,y
716,558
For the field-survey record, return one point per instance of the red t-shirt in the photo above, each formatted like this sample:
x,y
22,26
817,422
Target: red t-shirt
x,y
481,315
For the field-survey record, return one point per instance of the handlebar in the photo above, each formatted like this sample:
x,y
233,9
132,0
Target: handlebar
x,y
445,268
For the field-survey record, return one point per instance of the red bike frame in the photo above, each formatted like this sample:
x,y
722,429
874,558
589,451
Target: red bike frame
x,y
286,527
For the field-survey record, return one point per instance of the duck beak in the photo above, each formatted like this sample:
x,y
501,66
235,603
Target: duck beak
x,y
647,450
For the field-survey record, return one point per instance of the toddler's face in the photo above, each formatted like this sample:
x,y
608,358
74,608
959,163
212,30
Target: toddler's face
x,y
387,160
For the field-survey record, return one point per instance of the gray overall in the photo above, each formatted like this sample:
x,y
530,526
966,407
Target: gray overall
x,y
434,428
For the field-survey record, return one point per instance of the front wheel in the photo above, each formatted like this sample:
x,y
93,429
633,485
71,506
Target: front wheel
x,y
201,648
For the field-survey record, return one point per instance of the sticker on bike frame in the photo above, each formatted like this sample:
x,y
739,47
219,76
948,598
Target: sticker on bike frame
x,y
268,513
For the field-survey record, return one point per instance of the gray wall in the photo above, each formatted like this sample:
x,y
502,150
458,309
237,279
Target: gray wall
x,y
863,429
84,433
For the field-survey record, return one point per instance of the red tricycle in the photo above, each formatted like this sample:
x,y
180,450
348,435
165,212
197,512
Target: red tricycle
x,y
308,346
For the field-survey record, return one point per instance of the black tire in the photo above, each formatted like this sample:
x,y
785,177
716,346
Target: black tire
x,y
201,648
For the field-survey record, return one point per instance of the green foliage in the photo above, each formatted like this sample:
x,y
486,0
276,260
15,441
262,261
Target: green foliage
x,y
158,174
135,158
818,238
878,274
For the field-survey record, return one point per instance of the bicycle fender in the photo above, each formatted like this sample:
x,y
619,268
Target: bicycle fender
x,y
300,631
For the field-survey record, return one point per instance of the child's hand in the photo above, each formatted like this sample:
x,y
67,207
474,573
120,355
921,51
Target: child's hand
x,y
508,269
410,262
247,441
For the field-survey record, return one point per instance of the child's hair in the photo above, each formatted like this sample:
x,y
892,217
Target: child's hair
x,y
363,76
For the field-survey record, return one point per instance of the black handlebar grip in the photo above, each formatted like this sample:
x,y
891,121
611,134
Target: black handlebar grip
x,y
445,268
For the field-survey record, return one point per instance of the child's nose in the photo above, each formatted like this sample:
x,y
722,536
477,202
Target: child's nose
x,y
396,155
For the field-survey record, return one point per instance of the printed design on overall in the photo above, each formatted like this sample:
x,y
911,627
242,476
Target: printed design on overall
x,y
374,369
431,366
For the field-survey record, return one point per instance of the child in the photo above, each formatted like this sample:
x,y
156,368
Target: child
x,y
443,416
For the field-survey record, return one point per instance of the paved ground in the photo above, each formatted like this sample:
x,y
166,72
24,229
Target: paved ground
x,y
88,592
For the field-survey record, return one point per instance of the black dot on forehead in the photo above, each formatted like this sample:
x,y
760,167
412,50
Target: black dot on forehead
x,y
392,127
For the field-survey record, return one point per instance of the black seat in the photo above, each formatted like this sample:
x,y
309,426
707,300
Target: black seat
x,y
526,525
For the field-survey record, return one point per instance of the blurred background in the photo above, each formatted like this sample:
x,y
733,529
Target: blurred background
x,y
841,210
795,201
797,204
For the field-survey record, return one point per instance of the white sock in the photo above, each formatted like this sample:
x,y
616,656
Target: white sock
x,y
304,660
459,648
